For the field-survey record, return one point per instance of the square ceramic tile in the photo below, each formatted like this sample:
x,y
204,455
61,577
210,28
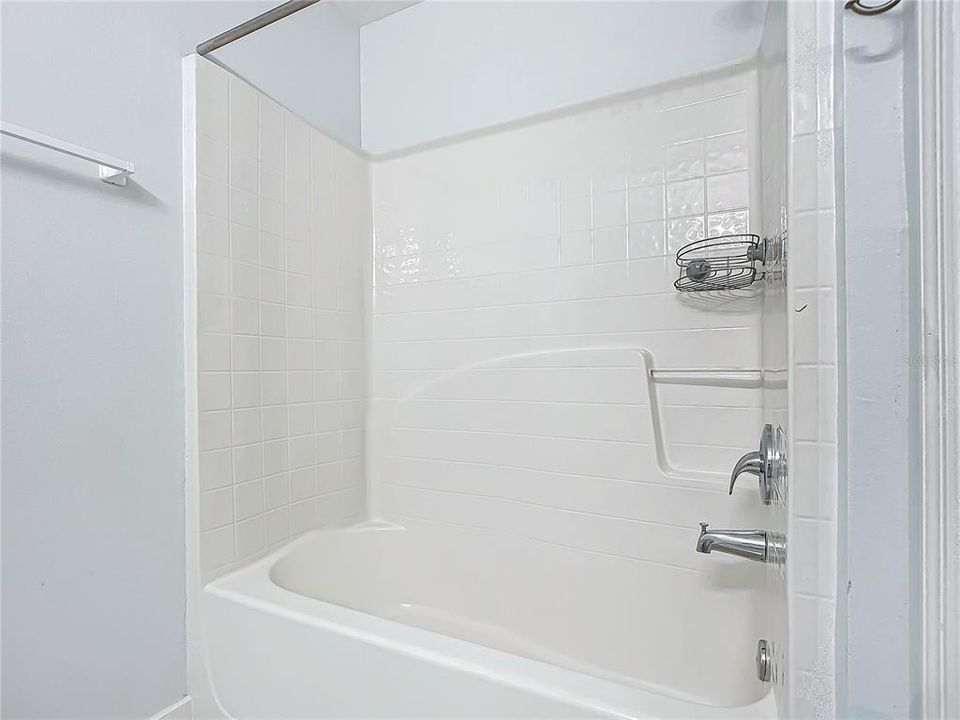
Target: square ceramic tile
x,y
244,209
249,536
645,204
271,116
244,171
247,463
213,352
214,391
216,508
271,183
575,214
649,172
273,388
276,458
213,275
214,430
685,198
216,548
244,316
646,239
727,153
213,235
213,197
244,243
609,244
276,526
212,158
728,223
245,352
246,389
271,149
213,102
244,280
216,469
684,161
244,134
728,192
682,231
276,491
610,209
575,248
246,426
272,251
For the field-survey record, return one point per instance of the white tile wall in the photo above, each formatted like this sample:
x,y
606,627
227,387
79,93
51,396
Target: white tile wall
x,y
282,226
812,328
512,270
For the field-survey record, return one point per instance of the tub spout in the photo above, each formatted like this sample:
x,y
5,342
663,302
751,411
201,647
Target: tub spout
x,y
758,545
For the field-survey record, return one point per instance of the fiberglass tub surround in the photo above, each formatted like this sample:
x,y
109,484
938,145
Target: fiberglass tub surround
x,y
517,437
463,371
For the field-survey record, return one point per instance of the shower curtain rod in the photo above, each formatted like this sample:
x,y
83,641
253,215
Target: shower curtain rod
x,y
254,24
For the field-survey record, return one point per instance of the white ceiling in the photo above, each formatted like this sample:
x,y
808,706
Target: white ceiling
x,y
364,12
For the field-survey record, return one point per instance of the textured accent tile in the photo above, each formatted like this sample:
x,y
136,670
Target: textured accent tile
x,y
727,223
685,198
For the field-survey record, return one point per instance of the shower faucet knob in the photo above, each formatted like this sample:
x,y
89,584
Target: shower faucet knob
x,y
767,464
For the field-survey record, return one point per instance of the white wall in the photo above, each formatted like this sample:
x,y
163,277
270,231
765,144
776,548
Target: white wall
x,y
443,68
882,363
93,478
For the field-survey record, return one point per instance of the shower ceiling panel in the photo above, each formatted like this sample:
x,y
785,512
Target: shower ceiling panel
x,y
364,12
390,74
440,69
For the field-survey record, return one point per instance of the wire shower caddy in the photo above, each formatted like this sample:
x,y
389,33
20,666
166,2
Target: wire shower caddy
x,y
722,262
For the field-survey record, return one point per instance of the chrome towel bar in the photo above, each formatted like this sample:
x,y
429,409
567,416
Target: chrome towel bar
x,y
112,170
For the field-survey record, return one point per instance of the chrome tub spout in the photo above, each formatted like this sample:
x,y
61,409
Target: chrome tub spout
x,y
758,545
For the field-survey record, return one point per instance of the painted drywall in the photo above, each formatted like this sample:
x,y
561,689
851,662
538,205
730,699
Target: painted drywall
x,y
443,68
310,63
882,366
93,477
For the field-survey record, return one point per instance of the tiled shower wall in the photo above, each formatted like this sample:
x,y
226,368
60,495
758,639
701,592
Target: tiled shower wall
x,y
800,328
812,329
517,274
282,222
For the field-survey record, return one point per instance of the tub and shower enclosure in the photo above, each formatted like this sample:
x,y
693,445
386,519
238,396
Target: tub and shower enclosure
x,y
455,410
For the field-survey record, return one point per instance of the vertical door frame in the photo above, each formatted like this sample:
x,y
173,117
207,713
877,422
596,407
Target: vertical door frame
x,y
939,173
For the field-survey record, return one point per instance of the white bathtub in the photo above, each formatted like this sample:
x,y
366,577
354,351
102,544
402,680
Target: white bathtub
x,y
432,621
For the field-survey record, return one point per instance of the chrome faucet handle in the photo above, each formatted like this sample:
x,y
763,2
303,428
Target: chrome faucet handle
x,y
703,528
751,463
767,464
